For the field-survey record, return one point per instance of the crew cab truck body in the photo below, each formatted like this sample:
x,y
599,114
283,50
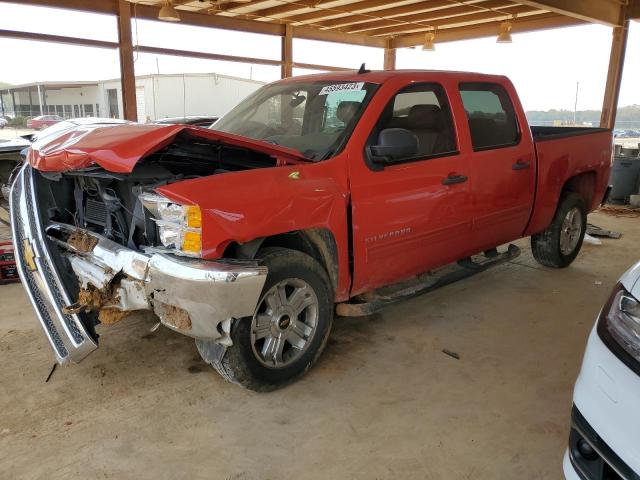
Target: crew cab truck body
x,y
313,191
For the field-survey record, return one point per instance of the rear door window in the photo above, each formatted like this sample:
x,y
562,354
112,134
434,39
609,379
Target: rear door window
x,y
491,116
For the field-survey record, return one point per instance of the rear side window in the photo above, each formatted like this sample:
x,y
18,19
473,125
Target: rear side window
x,y
492,118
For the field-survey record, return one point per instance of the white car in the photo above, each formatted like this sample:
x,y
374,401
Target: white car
x,y
3,122
604,443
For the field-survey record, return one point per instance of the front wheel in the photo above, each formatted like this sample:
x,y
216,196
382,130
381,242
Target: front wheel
x,y
289,329
560,243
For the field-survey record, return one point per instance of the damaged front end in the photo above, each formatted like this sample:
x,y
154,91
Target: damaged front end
x,y
111,265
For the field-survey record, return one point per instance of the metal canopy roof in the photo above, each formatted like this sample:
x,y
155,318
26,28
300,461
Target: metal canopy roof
x,y
398,23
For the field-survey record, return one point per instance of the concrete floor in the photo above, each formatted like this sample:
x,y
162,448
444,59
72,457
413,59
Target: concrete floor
x,y
383,402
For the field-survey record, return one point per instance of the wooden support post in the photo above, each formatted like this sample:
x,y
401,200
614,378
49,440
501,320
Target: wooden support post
x,y
286,69
127,72
614,76
389,56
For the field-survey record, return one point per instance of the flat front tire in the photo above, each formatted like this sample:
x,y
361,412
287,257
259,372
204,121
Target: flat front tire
x,y
560,243
289,329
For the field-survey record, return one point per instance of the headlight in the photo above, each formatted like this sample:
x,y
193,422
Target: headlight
x,y
620,321
179,226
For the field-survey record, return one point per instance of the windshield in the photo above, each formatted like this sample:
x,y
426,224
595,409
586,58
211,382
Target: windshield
x,y
314,118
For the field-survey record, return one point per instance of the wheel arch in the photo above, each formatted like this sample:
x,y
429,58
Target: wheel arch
x,y
318,243
584,184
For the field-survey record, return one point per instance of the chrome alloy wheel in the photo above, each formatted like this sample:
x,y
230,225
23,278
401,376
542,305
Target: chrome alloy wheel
x,y
570,231
285,322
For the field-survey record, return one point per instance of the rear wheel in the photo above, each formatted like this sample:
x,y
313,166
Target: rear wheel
x,y
289,329
560,243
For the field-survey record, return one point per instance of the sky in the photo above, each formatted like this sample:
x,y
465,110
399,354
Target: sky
x,y
544,66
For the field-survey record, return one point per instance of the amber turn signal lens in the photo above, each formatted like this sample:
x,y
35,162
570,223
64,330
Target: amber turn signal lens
x,y
192,242
194,216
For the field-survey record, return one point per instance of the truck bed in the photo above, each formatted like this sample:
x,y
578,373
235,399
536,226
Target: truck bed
x,y
580,153
541,134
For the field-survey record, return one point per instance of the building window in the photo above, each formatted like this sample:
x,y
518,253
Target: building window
x,y
88,110
112,103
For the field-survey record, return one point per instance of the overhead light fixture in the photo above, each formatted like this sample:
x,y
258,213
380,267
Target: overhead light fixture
x,y
168,13
505,32
429,46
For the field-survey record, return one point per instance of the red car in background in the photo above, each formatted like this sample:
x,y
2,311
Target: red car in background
x,y
43,121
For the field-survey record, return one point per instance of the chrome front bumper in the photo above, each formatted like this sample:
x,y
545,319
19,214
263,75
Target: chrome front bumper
x,y
194,297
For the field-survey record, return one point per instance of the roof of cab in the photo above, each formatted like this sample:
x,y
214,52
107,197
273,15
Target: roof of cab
x,y
381,76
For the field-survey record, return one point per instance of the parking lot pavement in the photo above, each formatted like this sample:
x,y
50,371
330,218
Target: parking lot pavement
x,y
9,133
383,402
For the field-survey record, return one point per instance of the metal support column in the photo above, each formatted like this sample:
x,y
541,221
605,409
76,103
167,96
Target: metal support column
x,y
614,76
127,72
389,56
286,69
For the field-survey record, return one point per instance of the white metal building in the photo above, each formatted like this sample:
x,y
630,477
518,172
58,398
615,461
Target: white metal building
x,y
157,96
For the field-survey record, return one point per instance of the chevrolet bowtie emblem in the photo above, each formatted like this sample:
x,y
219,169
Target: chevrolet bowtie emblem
x,y
29,255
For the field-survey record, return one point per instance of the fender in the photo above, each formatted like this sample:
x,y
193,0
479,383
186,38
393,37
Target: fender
x,y
243,206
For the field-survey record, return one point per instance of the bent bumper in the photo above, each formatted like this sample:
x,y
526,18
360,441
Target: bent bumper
x,y
193,297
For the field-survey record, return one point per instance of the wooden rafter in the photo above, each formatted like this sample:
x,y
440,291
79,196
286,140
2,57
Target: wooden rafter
x,y
538,22
420,24
370,22
441,8
449,15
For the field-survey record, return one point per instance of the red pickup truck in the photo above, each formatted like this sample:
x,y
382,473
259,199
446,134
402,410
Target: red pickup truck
x,y
345,188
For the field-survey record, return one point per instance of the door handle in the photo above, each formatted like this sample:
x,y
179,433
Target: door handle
x,y
521,165
451,179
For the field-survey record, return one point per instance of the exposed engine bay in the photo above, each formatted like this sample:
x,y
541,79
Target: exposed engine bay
x,y
107,203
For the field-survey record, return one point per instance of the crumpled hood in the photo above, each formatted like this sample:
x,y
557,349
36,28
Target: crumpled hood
x,y
117,148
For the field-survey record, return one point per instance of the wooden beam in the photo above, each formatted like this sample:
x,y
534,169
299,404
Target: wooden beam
x,y
607,12
287,8
633,10
357,10
457,22
521,25
389,56
422,23
206,55
391,16
338,37
94,6
44,37
148,12
326,68
127,70
162,51
286,56
614,76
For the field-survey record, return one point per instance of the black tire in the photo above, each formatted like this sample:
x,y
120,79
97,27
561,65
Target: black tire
x,y
546,244
239,363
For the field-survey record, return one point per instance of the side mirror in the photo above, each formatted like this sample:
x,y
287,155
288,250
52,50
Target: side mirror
x,y
394,144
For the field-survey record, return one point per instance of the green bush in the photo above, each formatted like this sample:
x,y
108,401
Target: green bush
x,y
18,122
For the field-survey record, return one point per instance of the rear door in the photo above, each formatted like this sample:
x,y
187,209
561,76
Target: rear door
x,y
416,214
502,163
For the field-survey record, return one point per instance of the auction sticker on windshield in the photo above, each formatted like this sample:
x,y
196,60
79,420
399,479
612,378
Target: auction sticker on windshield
x,y
342,87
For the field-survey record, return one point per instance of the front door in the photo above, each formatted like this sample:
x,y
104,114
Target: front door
x,y
415,214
